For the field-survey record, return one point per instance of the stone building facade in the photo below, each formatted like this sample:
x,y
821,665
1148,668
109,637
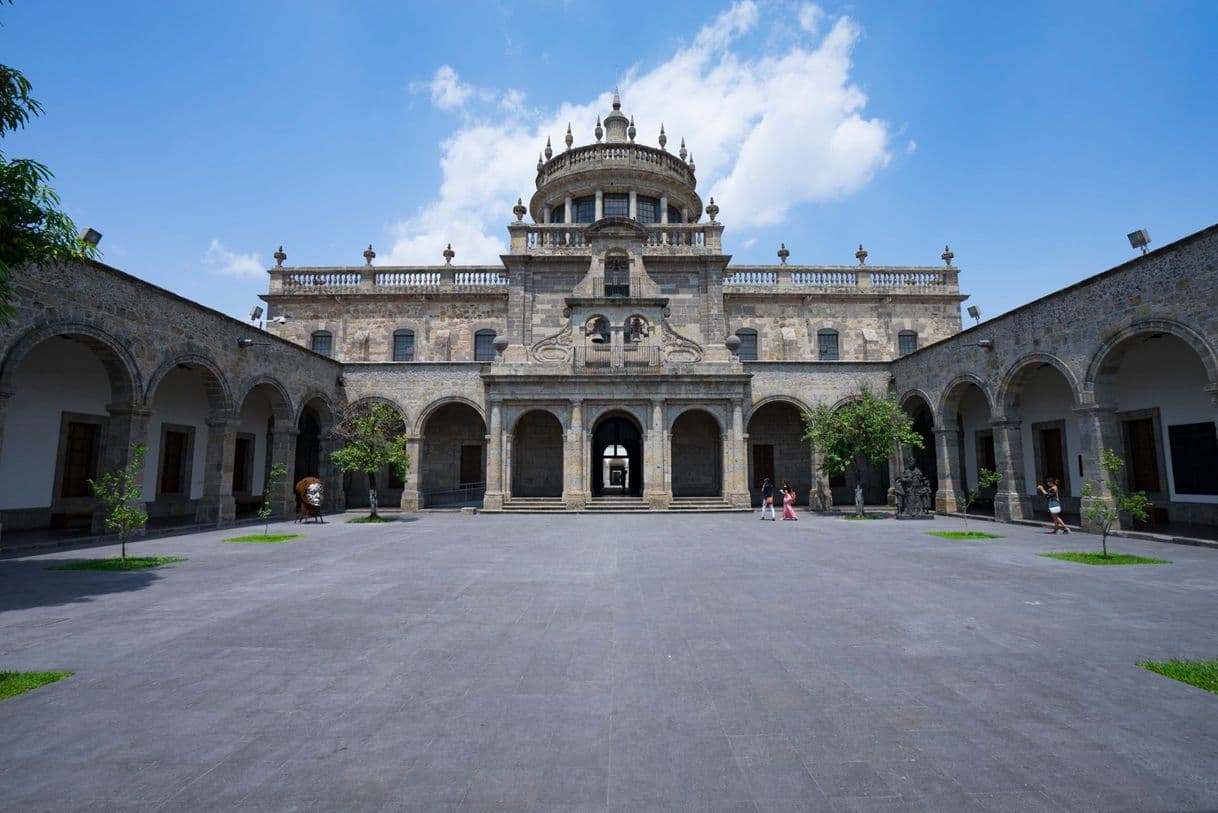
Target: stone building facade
x,y
614,360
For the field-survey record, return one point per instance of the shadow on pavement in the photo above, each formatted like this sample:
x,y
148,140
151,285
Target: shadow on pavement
x,y
28,583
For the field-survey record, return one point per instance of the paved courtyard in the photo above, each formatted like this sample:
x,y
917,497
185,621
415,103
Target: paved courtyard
x,y
572,663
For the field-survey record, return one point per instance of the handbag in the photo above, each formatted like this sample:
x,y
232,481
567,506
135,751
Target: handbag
x,y
1055,507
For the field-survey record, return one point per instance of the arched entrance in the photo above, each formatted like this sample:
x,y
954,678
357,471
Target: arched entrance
x,y
777,450
617,457
924,424
452,457
537,456
697,455
308,444
263,409
1038,403
970,445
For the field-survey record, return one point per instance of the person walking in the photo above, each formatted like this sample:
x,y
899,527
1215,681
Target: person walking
x,y
767,498
788,501
1055,504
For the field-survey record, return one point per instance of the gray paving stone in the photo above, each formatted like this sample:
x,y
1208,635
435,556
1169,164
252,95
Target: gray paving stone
x,y
632,663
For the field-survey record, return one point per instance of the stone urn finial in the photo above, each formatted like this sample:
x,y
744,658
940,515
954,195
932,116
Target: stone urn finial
x,y
600,131
861,255
617,100
540,163
631,132
783,253
549,149
732,343
500,344
692,166
712,209
520,210
682,153
369,255
947,256
449,254
663,138
570,139
280,257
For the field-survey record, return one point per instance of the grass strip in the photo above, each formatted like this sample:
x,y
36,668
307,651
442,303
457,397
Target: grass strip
x,y
1101,559
264,539
1202,674
15,683
370,520
964,535
130,563
864,516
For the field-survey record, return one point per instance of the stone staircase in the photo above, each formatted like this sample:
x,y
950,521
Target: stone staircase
x,y
703,505
534,505
617,505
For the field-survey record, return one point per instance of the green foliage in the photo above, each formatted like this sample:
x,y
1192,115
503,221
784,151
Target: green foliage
x,y
1202,674
867,428
1104,558
374,438
964,535
121,493
134,563
273,476
366,520
1101,514
264,539
32,228
985,479
15,683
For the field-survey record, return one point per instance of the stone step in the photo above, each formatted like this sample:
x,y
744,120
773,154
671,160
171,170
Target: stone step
x,y
617,505
535,504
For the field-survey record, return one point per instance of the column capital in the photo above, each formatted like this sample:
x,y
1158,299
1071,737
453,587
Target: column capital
x,y
1006,423
128,408
222,421
1090,409
285,432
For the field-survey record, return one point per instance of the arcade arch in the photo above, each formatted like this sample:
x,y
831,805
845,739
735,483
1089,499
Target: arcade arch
x,y
617,456
264,410
537,455
452,457
777,449
697,455
919,410
967,445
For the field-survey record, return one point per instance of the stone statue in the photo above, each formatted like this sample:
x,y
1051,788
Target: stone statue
x,y
912,493
308,499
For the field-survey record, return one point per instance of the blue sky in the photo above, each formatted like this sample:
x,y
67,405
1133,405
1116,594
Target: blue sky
x,y
1032,137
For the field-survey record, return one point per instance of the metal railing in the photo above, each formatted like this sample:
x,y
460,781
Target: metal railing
x,y
458,496
637,357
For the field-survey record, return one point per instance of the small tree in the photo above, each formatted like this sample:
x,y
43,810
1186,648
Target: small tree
x,y
1102,514
985,479
373,439
121,493
868,428
273,476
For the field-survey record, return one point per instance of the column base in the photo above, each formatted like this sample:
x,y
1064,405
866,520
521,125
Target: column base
x,y
410,500
216,510
945,502
1011,506
576,501
819,499
657,500
491,501
739,499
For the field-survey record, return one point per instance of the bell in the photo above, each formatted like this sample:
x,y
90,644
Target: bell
x,y
598,338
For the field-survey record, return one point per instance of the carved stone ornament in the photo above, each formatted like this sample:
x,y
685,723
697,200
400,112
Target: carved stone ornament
x,y
556,348
678,349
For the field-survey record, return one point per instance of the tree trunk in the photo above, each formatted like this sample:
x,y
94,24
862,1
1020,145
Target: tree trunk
x,y
858,489
372,495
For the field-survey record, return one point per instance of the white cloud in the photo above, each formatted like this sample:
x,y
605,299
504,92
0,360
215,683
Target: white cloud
x,y
220,260
911,147
447,90
768,133
810,17
749,243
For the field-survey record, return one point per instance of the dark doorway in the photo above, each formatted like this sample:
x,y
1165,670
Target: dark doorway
x,y
697,456
308,446
537,456
617,458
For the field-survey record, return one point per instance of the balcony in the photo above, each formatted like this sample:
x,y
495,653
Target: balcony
x,y
616,157
367,280
660,238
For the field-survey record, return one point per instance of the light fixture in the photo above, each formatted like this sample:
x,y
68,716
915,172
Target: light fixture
x,y
280,320
985,344
246,341
256,313
975,312
1139,239
91,236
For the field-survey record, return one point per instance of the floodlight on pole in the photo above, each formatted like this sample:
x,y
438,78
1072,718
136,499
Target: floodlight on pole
x,y
255,313
1139,239
975,312
91,236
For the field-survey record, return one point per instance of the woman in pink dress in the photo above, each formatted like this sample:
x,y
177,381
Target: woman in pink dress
x,y
788,501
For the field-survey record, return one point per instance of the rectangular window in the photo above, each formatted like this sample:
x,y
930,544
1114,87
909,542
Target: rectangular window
x,y
648,209
484,346
471,464
617,205
748,345
323,344
584,210
826,344
80,459
1143,456
1194,457
907,343
243,464
763,463
403,347
175,461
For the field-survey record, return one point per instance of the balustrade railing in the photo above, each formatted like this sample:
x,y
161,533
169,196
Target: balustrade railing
x,y
638,357
571,238
825,279
331,279
892,279
619,287
788,279
618,155
389,279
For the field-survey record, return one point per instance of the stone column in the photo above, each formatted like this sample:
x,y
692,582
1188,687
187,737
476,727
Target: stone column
x,y
127,427
574,496
283,451
217,504
493,499
412,497
820,497
568,210
663,208
507,466
600,204
947,444
1011,500
1098,430
735,461
658,487
5,395
334,499
633,204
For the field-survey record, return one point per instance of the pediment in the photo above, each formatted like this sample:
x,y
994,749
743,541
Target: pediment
x,y
616,228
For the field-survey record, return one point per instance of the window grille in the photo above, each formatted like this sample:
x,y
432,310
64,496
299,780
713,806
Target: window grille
x,y
403,345
826,344
323,343
484,345
907,342
748,344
